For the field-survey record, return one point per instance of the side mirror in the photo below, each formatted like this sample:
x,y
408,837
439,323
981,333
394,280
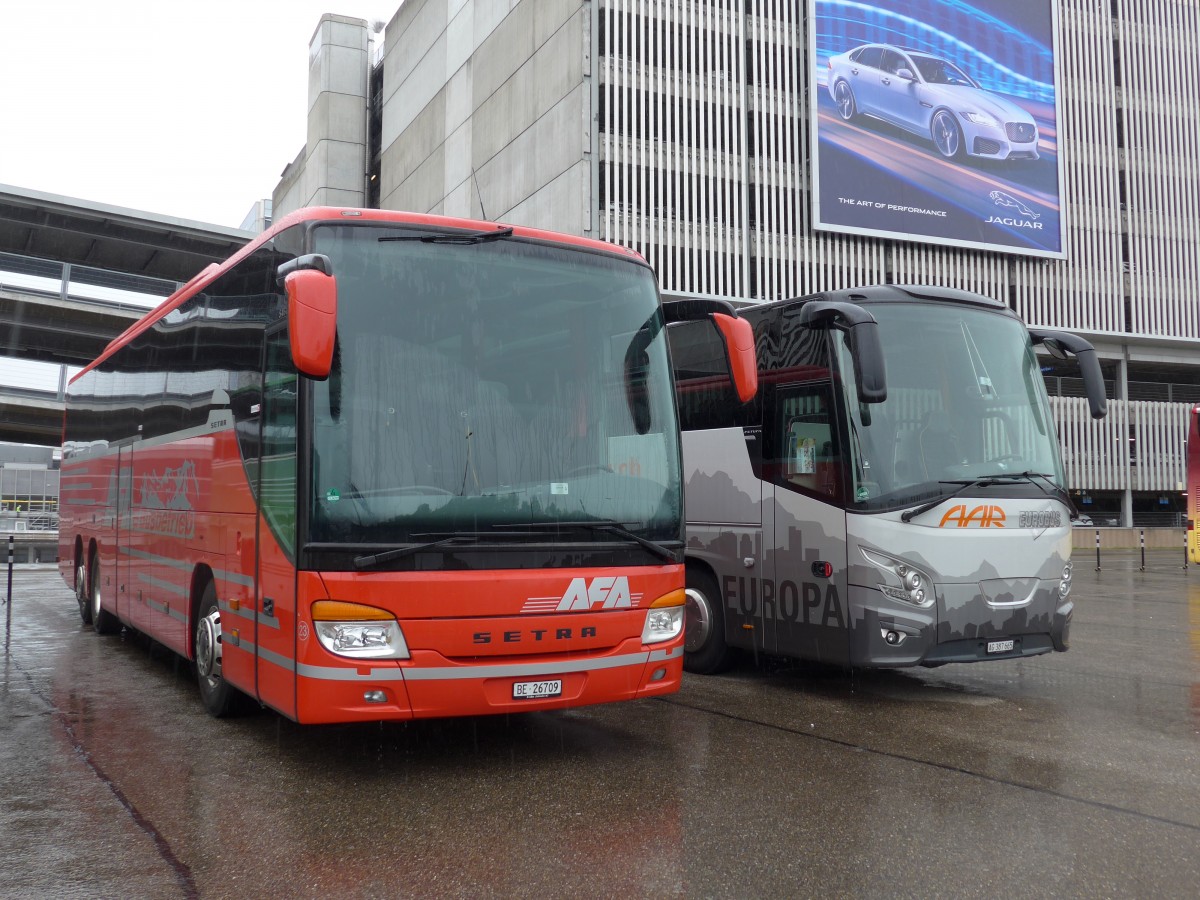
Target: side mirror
x,y
312,319
738,336
1062,343
1055,348
637,364
865,349
869,370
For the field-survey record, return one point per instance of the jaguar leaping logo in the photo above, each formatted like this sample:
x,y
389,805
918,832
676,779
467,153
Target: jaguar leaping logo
x,y
1000,198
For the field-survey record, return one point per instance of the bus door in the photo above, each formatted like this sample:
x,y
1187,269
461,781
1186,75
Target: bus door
x,y
275,622
807,537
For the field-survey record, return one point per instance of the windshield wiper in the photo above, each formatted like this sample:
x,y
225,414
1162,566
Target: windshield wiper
x,y
613,528
963,487
375,559
1054,490
462,537
451,237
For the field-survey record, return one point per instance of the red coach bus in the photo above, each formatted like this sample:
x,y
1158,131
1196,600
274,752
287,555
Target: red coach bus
x,y
1193,483
385,466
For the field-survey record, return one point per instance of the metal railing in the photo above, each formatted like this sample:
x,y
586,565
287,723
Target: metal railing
x,y
73,282
1168,519
1165,391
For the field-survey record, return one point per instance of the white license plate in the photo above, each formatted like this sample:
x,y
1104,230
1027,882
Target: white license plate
x,y
999,646
531,690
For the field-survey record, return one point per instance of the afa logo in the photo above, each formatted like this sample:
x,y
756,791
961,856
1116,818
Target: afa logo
x,y
603,593
581,595
985,516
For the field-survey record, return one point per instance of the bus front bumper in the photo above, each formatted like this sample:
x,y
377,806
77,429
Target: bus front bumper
x,y
886,634
431,686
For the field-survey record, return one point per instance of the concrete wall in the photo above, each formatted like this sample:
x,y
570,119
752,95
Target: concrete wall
x,y
28,547
331,168
487,111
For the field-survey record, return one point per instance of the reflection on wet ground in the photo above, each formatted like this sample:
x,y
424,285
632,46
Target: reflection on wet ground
x,y
1074,773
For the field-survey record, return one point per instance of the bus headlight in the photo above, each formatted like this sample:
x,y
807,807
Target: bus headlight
x,y
903,581
664,618
357,631
1064,584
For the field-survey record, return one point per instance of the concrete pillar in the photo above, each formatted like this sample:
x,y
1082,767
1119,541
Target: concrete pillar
x,y
1122,391
336,149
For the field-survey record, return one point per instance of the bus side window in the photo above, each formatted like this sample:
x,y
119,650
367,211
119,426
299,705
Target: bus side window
x,y
278,491
807,456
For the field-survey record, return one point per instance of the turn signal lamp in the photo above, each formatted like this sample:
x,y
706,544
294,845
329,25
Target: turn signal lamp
x,y
357,631
664,618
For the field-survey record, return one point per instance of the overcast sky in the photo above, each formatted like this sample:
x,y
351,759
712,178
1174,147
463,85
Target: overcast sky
x,y
186,109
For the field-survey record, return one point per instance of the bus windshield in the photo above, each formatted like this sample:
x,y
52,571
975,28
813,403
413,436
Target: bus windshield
x,y
497,386
965,401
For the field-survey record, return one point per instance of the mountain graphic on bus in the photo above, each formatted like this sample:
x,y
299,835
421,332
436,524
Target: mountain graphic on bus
x,y
178,486
169,501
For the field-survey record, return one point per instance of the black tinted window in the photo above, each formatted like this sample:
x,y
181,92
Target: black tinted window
x,y
870,56
702,383
893,62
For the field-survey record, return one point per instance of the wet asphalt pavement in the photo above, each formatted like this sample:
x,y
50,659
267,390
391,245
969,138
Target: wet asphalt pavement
x,y
1073,774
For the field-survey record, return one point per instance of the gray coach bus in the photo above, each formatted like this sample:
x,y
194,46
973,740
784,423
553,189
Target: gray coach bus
x,y
893,496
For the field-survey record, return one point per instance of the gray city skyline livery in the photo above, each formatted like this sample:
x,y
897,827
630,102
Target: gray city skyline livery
x,y
893,496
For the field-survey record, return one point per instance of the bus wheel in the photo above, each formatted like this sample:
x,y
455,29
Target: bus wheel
x,y
219,698
705,651
81,594
103,621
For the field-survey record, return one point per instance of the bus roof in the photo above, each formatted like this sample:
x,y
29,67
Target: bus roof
x,y
882,293
349,215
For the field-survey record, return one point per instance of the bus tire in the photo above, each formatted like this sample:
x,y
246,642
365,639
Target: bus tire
x,y
103,622
705,650
81,593
219,698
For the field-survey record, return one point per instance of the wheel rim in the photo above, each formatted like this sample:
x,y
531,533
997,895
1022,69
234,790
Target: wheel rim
x,y
845,100
95,597
945,134
697,621
81,585
208,646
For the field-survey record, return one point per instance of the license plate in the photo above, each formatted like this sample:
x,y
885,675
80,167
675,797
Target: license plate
x,y
531,690
999,646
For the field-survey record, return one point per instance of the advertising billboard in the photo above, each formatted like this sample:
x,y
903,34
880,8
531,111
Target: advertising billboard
x,y
937,121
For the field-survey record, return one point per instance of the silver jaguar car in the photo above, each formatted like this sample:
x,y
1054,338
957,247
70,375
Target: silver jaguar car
x,y
933,98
